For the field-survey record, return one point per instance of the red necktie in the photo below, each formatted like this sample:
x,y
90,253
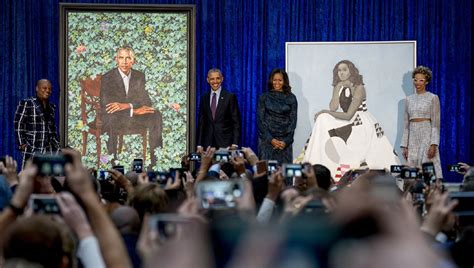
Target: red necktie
x,y
213,105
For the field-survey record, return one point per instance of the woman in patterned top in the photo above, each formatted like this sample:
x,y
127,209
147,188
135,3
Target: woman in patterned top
x,y
351,138
276,118
421,127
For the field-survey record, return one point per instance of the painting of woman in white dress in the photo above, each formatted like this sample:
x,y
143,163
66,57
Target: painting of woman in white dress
x,y
347,134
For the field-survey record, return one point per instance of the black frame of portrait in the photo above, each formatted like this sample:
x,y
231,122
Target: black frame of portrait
x,y
188,10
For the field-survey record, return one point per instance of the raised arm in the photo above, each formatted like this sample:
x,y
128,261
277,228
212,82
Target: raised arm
x,y
334,103
110,242
358,97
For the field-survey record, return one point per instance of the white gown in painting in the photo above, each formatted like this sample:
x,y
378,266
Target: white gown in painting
x,y
357,142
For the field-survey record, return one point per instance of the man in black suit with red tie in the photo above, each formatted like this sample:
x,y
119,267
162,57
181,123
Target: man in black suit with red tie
x,y
219,115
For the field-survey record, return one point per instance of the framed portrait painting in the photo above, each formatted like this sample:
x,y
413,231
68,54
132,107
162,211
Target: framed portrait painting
x,y
128,84
318,72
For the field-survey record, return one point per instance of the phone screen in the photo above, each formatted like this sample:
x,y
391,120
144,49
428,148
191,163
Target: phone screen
x,y
454,168
222,156
50,165
168,226
194,157
44,204
396,168
219,194
292,170
465,206
120,169
103,174
138,165
272,166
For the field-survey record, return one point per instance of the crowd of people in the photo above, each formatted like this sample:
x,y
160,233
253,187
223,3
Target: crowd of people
x,y
235,213
224,206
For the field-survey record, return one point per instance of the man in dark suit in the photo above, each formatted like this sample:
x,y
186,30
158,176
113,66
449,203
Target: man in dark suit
x,y
219,115
35,125
126,104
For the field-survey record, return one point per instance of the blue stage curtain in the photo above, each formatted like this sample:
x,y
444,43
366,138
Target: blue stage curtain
x,y
246,39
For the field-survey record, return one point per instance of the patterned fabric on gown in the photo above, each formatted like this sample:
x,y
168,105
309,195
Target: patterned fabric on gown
x,y
351,144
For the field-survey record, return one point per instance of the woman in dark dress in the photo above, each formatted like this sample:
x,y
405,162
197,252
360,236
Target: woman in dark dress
x,y
276,118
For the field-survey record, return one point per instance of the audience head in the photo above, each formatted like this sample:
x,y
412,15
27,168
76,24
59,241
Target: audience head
x,y
37,239
323,176
126,220
149,198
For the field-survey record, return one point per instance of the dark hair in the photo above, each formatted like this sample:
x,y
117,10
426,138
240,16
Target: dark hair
x,y
37,239
323,176
355,77
424,71
286,80
149,198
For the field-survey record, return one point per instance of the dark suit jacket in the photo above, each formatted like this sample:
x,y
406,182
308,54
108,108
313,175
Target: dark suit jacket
x,y
112,89
225,129
32,129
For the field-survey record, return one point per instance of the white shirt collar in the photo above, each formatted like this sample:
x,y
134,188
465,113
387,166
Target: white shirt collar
x,y
123,75
218,91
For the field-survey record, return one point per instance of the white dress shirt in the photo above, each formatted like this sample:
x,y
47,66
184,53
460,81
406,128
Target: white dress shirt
x,y
126,83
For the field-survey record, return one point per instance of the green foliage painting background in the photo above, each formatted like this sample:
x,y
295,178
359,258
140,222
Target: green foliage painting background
x,y
160,42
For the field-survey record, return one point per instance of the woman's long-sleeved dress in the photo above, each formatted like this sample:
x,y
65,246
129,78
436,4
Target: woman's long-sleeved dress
x,y
418,136
276,118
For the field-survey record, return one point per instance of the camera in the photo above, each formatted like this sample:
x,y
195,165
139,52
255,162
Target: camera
x,y
103,174
272,166
137,165
181,173
238,153
120,169
51,165
167,226
161,177
465,206
219,194
396,168
454,168
44,204
409,173
222,156
194,157
292,170
429,174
